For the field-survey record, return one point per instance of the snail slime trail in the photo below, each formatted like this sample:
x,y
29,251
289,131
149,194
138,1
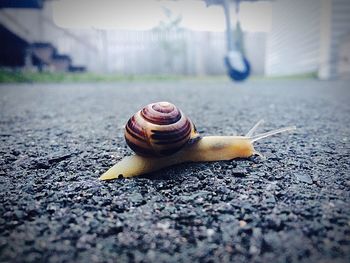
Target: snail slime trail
x,y
162,136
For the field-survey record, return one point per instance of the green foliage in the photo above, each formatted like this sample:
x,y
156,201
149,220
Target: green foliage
x,y
170,23
308,75
173,48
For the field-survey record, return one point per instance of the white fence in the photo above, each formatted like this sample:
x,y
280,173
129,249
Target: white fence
x,y
175,52
154,52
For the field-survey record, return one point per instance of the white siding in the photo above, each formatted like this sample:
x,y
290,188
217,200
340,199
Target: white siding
x,y
255,46
308,36
293,43
340,34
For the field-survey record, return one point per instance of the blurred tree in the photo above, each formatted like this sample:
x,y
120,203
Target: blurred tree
x,y
172,41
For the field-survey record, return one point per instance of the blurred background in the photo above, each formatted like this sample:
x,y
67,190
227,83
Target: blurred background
x,y
166,37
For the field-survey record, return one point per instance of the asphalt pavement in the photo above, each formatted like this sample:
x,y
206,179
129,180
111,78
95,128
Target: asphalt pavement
x,y
57,139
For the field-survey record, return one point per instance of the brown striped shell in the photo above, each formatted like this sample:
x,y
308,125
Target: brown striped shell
x,y
159,129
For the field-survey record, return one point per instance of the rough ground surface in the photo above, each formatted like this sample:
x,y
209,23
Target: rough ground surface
x,y
57,139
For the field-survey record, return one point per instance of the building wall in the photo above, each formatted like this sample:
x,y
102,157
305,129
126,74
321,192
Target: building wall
x,y
36,25
340,34
309,36
255,47
293,43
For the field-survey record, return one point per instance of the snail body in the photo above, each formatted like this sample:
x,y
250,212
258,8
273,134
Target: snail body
x,y
194,149
208,148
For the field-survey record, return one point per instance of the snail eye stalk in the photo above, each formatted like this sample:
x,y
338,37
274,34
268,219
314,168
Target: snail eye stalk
x,y
271,133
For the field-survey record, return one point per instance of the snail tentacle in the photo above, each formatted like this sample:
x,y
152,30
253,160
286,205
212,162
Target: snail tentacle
x,y
255,127
271,133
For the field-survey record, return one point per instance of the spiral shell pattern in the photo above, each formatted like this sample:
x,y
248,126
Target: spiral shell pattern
x,y
158,129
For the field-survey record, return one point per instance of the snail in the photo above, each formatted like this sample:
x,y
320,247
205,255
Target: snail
x,y
161,135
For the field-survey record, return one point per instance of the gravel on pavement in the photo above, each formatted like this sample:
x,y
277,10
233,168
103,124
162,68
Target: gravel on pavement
x,y
57,139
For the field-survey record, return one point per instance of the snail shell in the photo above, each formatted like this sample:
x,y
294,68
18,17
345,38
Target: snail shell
x,y
159,129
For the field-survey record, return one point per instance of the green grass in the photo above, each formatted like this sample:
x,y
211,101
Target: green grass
x,y
46,77
7,76
308,75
